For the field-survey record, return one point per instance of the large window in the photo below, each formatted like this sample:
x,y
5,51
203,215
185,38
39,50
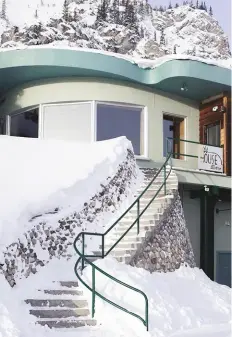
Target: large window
x,y
213,134
173,132
121,120
25,124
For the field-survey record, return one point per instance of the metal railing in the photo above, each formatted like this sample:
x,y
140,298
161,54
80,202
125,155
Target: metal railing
x,y
85,258
179,140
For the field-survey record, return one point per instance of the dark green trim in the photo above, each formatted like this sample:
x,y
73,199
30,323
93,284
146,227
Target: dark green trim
x,y
21,66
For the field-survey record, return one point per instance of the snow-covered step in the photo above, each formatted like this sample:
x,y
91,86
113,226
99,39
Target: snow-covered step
x,y
67,324
53,303
118,252
59,312
58,292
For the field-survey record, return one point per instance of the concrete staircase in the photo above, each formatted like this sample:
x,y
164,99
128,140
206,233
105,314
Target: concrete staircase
x,y
64,306
128,246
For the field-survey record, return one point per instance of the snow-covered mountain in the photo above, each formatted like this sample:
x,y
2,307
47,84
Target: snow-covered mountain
x,y
122,26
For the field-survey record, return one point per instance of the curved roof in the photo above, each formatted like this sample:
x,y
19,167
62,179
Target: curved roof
x,y
202,80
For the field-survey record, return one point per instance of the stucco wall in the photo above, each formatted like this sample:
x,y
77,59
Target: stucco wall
x,y
85,90
222,230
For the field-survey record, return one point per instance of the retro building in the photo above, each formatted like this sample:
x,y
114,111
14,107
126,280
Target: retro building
x,y
182,106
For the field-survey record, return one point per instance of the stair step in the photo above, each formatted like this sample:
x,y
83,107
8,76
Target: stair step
x,y
68,324
50,303
59,313
62,292
121,252
69,284
125,245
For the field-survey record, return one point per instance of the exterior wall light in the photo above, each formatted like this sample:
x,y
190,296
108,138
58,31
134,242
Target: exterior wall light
x,y
184,87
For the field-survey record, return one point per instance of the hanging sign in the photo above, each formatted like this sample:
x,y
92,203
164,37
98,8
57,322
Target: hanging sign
x,y
210,158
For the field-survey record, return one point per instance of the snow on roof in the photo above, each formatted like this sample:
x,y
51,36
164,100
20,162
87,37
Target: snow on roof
x,y
142,63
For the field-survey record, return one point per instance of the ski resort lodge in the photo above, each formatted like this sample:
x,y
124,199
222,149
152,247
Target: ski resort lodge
x,y
181,106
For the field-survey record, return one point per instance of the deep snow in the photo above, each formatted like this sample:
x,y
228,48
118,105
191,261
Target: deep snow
x,y
184,303
41,175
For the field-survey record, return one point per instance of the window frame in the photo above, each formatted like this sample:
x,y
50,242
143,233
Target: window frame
x,y
144,112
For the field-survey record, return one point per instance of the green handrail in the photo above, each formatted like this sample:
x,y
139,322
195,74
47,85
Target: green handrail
x,y
186,141
84,258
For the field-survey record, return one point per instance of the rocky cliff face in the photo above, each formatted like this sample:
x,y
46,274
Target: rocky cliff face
x,y
126,27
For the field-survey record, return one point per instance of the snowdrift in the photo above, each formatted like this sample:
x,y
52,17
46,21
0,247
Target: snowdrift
x,y
40,176
52,190
184,303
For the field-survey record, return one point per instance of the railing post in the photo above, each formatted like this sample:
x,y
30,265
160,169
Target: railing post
x,y
138,215
165,189
83,251
103,244
146,310
93,291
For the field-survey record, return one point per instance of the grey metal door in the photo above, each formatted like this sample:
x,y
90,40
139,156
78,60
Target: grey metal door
x,y
223,271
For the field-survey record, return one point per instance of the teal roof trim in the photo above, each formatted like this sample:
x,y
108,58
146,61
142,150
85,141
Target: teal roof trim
x,y
20,66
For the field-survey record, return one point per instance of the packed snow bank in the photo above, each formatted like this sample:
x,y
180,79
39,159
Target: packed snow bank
x,y
40,176
179,301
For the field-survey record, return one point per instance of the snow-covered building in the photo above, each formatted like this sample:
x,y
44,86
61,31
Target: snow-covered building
x,y
175,104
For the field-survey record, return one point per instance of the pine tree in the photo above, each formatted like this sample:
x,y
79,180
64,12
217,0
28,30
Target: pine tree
x,y
191,4
202,6
211,11
147,8
65,11
102,11
115,12
174,50
177,5
3,11
162,38
205,7
130,19
36,14
41,3
155,36
142,9
170,5
75,16
161,9
197,4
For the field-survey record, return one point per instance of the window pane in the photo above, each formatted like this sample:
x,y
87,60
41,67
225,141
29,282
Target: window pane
x,y
115,121
25,124
213,135
70,122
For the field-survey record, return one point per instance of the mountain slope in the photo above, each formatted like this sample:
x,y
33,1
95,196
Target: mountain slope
x,y
135,29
